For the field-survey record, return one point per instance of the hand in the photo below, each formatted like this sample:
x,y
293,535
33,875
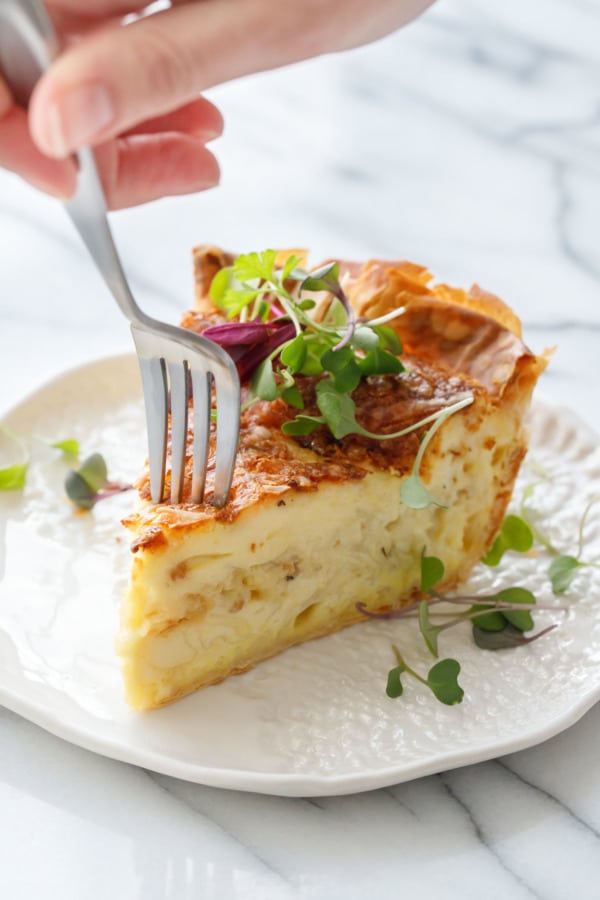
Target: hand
x,y
132,90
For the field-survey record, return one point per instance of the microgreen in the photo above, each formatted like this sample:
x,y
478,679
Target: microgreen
x,y
262,383
339,413
505,639
498,621
14,476
276,340
394,686
561,572
442,679
430,632
432,571
69,447
564,566
413,491
515,534
89,483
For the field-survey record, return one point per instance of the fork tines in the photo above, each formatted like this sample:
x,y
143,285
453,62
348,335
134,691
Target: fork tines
x,y
178,366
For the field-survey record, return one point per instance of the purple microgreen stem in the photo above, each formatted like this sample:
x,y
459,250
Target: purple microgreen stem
x,y
411,610
336,289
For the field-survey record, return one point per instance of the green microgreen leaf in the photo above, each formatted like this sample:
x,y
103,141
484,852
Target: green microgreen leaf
x,y
290,268
13,478
515,534
394,686
508,638
344,368
338,410
235,301
520,619
379,362
488,620
429,631
82,485
69,447
293,354
432,571
293,397
443,681
415,495
89,483
255,265
302,425
413,492
365,338
562,569
312,362
336,317
262,383
322,279
79,491
335,361
94,472
389,340
223,282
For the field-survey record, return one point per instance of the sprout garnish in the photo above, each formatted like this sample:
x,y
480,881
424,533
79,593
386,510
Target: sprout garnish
x,y
276,340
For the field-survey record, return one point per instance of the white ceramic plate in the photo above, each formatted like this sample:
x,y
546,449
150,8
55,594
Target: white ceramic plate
x,y
316,720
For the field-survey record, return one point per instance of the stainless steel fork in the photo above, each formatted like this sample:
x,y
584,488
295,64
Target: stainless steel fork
x,y
171,359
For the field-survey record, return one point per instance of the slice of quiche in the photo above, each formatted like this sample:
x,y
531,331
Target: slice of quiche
x,y
317,525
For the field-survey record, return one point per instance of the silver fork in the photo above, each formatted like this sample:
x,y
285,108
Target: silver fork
x,y
170,358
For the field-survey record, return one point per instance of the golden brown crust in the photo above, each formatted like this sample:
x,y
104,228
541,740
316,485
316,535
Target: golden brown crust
x,y
453,341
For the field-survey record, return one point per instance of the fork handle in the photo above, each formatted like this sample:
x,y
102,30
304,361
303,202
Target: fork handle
x,y
28,45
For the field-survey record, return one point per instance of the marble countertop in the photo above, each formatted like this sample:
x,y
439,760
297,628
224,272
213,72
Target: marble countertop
x,y
470,142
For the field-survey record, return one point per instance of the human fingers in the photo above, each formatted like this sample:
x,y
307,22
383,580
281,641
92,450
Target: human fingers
x,y
117,76
200,119
161,157
144,167
19,154
98,9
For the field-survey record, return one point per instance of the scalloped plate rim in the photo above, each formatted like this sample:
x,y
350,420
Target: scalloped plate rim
x,y
294,784
289,784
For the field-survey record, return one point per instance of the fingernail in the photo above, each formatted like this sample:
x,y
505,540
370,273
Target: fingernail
x,y
76,120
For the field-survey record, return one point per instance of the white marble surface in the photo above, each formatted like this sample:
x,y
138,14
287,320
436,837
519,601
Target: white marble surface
x,y
470,142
